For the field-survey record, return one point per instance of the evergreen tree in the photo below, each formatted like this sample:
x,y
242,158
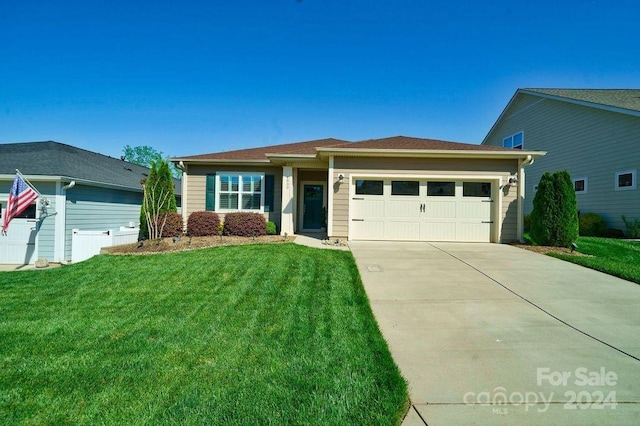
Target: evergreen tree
x,y
166,184
554,219
544,211
158,197
568,223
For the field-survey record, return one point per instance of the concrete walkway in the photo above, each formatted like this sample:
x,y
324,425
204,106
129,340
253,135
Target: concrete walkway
x,y
12,267
493,334
319,241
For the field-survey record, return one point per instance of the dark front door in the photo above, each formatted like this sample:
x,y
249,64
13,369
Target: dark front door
x,y
313,217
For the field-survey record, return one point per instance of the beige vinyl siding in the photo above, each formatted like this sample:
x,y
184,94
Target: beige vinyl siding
x,y
587,142
196,182
430,167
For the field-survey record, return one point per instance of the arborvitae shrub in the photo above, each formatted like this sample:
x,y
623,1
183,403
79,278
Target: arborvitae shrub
x,y
567,223
244,224
554,219
203,224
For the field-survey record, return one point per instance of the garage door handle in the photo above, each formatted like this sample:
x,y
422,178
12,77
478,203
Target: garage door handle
x,y
355,198
487,221
487,201
357,220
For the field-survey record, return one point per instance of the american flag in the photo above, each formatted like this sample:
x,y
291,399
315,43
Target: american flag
x,y
20,197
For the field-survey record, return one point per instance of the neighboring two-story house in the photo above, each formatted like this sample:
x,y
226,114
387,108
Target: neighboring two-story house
x,y
593,134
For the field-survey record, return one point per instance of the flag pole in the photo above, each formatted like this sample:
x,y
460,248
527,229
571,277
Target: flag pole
x,y
29,183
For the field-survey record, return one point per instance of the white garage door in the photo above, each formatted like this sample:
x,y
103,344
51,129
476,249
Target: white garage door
x,y
421,210
18,246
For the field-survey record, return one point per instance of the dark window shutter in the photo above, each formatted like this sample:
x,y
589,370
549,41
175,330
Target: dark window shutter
x,y
269,183
210,191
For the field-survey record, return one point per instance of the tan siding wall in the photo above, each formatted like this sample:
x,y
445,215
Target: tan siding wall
x,y
433,167
587,142
197,186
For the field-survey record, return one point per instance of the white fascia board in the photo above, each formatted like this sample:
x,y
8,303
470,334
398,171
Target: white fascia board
x,y
441,153
220,162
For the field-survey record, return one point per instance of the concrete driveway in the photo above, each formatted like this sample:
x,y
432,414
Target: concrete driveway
x,y
493,334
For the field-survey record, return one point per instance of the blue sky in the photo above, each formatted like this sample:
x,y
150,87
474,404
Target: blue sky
x,y
194,77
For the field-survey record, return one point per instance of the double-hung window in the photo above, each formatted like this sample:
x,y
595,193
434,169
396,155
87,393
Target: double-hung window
x,y
240,191
514,141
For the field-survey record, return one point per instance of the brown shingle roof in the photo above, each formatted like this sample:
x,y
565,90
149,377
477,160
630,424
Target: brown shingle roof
x,y
310,148
410,143
259,154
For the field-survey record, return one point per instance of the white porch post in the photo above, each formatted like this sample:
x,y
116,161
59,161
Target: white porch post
x,y
288,192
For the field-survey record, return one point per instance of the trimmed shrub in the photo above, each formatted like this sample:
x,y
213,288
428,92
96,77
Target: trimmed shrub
x,y
244,224
592,225
527,222
554,219
567,224
173,225
203,224
271,228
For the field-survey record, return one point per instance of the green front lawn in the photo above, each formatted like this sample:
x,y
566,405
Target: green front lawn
x,y
260,334
620,258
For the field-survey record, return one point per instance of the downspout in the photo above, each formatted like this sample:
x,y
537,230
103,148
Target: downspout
x,y
183,195
520,222
61,222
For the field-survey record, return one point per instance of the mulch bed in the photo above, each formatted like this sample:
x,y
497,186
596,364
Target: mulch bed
x,y
549,249
191,243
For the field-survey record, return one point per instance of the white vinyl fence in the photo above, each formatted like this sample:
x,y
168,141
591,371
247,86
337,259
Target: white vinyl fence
x,y
85,244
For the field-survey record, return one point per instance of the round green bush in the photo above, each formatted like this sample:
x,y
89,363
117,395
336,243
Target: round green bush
x,y
271,228
592,225
203,224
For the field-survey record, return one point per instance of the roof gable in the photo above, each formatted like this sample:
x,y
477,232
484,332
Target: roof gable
x,y
413,144
624,101
260,153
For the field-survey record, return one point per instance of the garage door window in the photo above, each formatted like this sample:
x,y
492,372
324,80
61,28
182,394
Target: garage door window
x,y
369,187
405,187
441,189
476,189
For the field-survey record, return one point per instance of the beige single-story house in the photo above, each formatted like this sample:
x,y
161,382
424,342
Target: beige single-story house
x,y
397,188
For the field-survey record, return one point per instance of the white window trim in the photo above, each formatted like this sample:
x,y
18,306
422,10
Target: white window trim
x,y
521,132
634,180
240,177
586,185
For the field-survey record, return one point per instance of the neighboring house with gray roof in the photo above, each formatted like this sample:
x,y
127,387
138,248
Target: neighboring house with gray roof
x,y
84,190
398,188
594,134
